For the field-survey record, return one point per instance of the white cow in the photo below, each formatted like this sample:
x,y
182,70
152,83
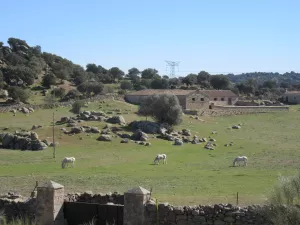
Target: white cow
x,y
159,157
239,159
67,161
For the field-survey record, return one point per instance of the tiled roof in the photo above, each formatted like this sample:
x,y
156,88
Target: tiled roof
x,y
161,91
292,92
218,93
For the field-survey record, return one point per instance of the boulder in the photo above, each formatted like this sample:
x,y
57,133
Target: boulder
x,y
35,127
186,132
34,136
25,110
125,140
127,136
105,131
100,113
7,140
104,137
95,130
195,140
178,142
139,136
116,120
64,119
147,144
236,127
77,130
38,145
31,110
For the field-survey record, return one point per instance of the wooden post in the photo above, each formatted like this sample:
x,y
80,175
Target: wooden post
x,y
54,150
237,198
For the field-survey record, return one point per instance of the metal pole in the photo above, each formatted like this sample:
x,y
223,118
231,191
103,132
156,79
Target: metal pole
x,y
237,198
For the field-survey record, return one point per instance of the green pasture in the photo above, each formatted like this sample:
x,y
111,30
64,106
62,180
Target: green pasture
x,y
193,174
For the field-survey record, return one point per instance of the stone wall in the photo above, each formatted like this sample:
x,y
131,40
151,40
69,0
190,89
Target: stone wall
x,y
96,198
219,214
239,110
14,207
7,107
196,101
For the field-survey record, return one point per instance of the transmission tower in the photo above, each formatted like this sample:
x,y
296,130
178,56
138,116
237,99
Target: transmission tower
x,y
172,65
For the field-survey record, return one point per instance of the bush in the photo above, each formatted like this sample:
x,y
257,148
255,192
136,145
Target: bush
x,y
126,85
58,92
284,201
48,80
108,89
163,108
73,94
90,87
18,94
77,105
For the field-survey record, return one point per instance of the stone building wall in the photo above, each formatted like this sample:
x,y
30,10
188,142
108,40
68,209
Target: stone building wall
x,y
196,101
219,214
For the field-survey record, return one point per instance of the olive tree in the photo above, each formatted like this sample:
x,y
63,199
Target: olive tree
x,y
163,108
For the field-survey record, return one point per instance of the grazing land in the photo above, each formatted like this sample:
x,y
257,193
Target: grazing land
x,y
193,174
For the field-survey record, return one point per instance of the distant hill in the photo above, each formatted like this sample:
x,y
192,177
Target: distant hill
x,y
261,77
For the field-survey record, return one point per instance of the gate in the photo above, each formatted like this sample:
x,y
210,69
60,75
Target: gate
x,y
79,213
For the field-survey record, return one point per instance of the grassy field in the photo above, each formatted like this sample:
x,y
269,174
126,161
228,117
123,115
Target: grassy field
x,y
193,174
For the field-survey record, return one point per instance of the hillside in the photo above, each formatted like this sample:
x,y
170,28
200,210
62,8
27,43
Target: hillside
x,y
26,72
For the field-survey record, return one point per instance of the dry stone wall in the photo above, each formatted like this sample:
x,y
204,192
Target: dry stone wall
x,y
219,214
18,206
240,110
7,108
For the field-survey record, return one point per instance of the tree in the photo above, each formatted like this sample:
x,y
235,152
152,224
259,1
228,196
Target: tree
x,y
163,108
126,85
116,73
269,84
160,84
203,76
48,80
190,79
18,94
72,94
19,75
17,44
149,73
133,72
89,87
91,67
219,82
77,105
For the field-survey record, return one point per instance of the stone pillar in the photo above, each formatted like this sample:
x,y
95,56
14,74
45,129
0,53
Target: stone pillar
x,y
49,205
134,205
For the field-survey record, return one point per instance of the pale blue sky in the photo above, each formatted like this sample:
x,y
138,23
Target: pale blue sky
x,y
219,36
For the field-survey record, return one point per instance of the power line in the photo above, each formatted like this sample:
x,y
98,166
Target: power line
x,y
172,65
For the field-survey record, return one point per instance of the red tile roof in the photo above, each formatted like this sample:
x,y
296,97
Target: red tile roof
x,y
218,93
161,91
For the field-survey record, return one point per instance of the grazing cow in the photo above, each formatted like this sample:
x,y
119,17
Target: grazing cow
x,y
239,159
67,161
159,157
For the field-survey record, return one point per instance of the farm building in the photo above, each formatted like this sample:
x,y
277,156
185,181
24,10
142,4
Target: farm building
x,y
188,99
291,97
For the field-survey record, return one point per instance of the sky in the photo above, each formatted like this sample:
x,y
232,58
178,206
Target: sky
x,y
218,36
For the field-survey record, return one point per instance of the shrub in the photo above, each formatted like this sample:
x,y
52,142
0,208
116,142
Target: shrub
x,y
108,89
73,94
126,85
163,108
58,92
48,80
284,201
77,105
18,94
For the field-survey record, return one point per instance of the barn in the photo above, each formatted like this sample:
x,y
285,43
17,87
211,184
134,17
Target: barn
x,y
188,99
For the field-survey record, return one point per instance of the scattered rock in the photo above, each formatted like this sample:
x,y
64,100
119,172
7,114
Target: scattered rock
x,y
125,140
104,137
139,136
116,120
178,142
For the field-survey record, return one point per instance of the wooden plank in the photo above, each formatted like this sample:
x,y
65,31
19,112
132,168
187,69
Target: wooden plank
x,y
112,214
102,213
77,213
120,215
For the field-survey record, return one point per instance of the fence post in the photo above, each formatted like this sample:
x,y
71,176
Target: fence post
x,y
134,205
49,205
